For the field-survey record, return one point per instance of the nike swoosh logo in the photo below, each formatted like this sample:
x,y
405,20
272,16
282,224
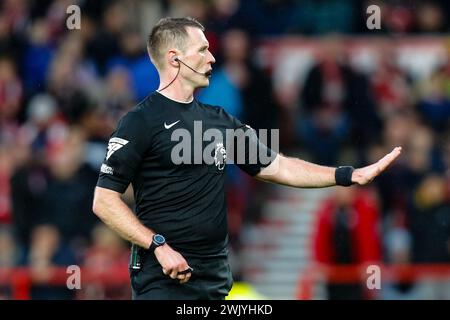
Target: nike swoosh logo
x,y
168,126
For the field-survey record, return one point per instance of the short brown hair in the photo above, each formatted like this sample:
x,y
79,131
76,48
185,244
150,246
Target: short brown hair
x,y
167,32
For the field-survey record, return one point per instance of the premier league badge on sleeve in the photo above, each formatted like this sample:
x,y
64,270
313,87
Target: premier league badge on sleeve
x,y
220,156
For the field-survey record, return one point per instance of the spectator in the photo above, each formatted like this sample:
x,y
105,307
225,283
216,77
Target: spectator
x,y
430,222
324,100
66,202
239,85
396,186
58,191
105,44
119,97
48,252
434,101
143,75
398,245
37,58
390,84
106,256
348,233
11,91
71,72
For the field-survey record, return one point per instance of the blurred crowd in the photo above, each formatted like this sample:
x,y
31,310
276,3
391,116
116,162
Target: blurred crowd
x,y
62,93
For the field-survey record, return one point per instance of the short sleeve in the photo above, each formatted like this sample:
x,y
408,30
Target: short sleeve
x,y
126,148
250,153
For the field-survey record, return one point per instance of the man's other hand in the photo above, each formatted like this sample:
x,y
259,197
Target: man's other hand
x,y
173,264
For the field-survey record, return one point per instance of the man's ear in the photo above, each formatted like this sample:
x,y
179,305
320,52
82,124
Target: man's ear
x,y
173,58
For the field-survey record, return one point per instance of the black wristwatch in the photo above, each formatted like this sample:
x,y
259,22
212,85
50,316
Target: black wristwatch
x,y
157,241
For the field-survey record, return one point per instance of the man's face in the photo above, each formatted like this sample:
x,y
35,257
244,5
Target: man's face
x,y
198,57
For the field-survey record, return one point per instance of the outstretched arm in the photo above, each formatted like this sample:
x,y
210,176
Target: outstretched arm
x,y
302,174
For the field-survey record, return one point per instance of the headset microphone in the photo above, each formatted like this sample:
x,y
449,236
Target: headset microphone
x,y
206,74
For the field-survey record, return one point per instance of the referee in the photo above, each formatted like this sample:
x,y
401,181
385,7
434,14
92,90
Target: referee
x,y
179,229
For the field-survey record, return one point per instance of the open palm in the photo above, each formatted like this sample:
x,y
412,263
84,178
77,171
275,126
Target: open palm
x,y
366,174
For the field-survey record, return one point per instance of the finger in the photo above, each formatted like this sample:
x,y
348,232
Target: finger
x,y
166,271
173,274
181,276
186,279
389,158
384,162
393,154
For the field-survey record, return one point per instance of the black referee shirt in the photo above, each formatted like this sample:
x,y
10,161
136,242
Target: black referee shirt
x,y
184,201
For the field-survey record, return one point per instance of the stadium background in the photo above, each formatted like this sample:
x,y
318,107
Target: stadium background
x,y
339,93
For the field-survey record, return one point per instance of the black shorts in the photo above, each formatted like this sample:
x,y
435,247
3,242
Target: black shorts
x,y
210,280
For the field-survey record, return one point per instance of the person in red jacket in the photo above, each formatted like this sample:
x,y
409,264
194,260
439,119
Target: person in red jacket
x,y
348,234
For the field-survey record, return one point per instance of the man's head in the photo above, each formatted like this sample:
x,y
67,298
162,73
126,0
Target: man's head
x,y
181,38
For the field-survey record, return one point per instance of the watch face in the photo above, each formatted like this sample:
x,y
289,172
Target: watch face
x,y
159,239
